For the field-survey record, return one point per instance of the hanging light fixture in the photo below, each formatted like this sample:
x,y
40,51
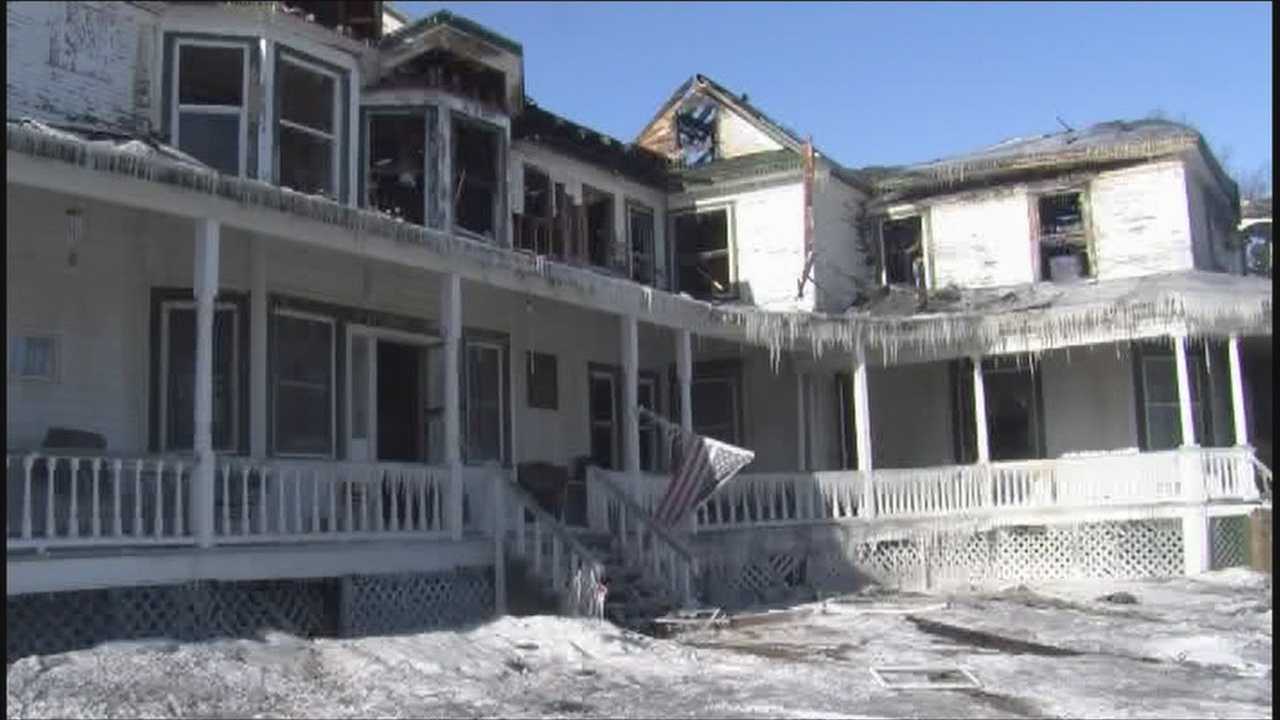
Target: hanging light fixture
x,y
75,235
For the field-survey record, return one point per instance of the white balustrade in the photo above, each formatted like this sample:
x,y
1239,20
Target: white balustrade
x,y
78,501
550,551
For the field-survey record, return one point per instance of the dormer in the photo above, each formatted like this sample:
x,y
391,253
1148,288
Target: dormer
x,y
455,55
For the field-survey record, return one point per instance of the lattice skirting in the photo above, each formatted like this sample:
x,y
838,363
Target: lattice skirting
x,y
382,604
56,622
1129,549
1229,541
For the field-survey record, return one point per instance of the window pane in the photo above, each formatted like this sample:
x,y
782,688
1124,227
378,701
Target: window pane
x,y
1160,376
212,139
1164,427
484,403
306,162
180,384
601,399
306,97
210,75
303,387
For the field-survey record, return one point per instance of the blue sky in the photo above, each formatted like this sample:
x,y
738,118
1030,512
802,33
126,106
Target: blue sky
x,y
893,83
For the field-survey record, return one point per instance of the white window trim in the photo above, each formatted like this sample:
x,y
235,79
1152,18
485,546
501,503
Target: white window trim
x,y
335,153
333,394
166,306
612,422
176,108
731,239
55,372
372,334
366,151
498,349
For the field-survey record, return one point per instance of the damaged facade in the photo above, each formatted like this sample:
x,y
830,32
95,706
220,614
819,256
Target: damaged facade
x,y
288,279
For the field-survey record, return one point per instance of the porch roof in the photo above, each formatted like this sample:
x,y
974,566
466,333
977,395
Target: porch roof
x,y
1004,320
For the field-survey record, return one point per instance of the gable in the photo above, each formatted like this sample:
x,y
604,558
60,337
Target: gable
x,y
698,125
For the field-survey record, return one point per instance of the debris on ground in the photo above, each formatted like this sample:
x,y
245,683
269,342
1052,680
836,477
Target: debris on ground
x,y
1119,598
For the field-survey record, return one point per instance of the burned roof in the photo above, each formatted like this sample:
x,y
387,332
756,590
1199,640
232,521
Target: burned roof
x,y
444,17
1102,145
544,127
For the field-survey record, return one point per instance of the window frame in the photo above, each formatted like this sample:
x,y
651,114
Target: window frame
x,y
162,394
1042,273
531,359
645,425
499,180
424,113
728,372
500,349
923,281
176,108
17,347
731,247
284,55
634,207
1198,379
598,371
274,380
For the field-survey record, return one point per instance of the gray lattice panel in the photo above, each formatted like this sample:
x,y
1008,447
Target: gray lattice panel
x,y
47,623
1229,541
384,604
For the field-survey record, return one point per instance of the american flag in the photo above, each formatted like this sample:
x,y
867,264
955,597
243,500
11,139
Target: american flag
x,y
702,465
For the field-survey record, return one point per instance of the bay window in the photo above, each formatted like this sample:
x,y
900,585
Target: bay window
x,y
208,115
308,126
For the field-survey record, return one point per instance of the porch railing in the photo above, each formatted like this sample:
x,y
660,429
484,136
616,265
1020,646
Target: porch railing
x,y
73,500
644,545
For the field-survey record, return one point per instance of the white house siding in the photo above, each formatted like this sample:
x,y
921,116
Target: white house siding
x,y
981,240
911,422
1140,220
736,136
1089,399
85,62
838,256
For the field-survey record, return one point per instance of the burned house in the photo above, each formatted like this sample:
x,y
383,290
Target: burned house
x,y
314,295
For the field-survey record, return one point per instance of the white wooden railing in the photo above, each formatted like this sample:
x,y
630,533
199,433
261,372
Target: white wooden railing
x,y
654,550
1094,480
291,501
549,550
75,500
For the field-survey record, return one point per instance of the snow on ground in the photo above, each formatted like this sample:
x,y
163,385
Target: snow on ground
x,y
1188,648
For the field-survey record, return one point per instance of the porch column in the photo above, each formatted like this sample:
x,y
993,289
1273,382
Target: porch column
x,y
982,439
1239,418
451,329
1184,391
862,431
630,351
684,374
258,411
206,290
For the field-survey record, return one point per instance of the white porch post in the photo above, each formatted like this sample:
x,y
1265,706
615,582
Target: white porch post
x,y
206,290
451,328
1238,415
258,411
1184,392
982,438
684,374
630,352
862,429
1195,519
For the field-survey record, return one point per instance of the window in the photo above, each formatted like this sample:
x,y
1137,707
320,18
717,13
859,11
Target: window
x,y
209,110
178,376
696,132
1064,248
303,396
544,388
602,399
845,421
703,263
33,357
599,206
640,240
484,402
650,440
903,251
397,164
475,178
1015,415
1161,411
308,128
533,229
716,401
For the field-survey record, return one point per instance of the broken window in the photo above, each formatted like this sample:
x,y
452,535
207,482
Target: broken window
x,y
641,241
533,230
903,251
696,132
397,164
307,132
1064,248
599,206
209,114
475,178
703,267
